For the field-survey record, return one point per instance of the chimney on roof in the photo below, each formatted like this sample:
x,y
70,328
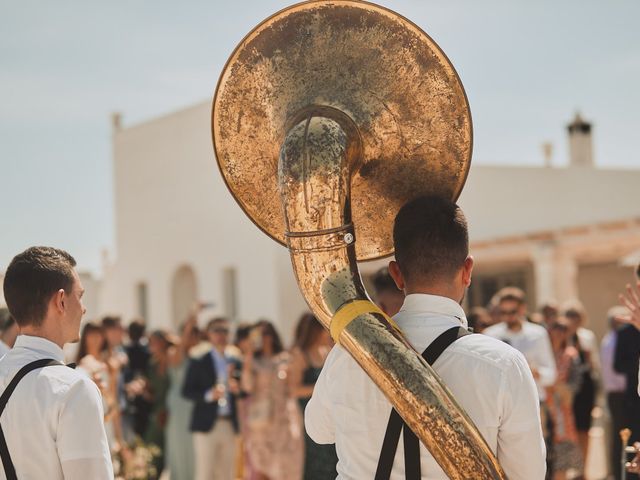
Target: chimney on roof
x,y
116,121
580,143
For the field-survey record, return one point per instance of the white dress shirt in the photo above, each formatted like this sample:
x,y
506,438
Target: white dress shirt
x,y
54,421
489,379
4,348
533,342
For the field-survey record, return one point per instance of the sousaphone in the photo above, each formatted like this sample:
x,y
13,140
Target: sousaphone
x,y
327,118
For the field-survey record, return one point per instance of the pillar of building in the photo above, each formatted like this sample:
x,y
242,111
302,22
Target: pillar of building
x,y
566,276
544,271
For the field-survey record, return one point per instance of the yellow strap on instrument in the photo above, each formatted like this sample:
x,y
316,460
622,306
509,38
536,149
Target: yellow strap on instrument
x,y
349,312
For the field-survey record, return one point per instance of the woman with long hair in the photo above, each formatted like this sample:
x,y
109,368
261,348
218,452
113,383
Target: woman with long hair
x,y
584,340
91,358
155,392
274,423
179,445
566,451
311,347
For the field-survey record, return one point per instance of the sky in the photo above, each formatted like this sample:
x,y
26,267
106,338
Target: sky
x,y
65,66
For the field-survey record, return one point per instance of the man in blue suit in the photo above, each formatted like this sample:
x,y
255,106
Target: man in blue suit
x,y
211,384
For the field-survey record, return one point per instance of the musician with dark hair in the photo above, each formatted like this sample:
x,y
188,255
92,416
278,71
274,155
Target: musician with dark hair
x,y
52,416
487,377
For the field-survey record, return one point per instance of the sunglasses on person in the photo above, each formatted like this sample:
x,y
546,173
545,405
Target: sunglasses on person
x,y
508,313
221,330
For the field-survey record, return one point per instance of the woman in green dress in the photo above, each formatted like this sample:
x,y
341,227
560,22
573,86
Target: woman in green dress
x,y
312,345
157,388
178,441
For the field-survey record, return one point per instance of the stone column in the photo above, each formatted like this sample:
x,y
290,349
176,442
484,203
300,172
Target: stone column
x,y
566,276
544,271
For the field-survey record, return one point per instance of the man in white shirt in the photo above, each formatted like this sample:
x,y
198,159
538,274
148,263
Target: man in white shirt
x,y
53,421
533,342
489,379
530,339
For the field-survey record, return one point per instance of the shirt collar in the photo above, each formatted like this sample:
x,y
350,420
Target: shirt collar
x,y
40,345
217,355
424,303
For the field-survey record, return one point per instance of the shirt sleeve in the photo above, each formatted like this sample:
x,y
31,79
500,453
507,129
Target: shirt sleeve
x,y
81,440
521,448
546,362
318,420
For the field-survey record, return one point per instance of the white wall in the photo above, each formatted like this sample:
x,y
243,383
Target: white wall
x,y
172,209
506,201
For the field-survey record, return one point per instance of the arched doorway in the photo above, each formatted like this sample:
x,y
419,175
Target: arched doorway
x,y
184,293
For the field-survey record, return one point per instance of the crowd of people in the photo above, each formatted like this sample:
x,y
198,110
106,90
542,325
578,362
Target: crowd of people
x,y
569,367
201,405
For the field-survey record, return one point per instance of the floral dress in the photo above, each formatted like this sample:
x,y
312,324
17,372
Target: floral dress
x,y
274,440
566,452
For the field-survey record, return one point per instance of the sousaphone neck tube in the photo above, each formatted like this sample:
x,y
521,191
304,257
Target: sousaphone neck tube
x,y
318,156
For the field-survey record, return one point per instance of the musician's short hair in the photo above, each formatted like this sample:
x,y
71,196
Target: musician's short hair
x,y
431,239
32,278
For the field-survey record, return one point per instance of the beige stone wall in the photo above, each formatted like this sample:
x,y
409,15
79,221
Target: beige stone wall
x,y
598,287
583,263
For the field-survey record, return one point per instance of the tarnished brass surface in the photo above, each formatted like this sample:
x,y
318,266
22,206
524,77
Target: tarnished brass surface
x,y
327,118
378,68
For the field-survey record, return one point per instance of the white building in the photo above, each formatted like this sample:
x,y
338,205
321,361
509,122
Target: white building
x,y
558,232
180,236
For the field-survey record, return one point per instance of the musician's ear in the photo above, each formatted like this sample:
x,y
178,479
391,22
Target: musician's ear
x,y
466,271
396,274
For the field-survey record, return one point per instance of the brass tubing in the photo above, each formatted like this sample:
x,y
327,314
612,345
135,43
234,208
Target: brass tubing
x,y
318,157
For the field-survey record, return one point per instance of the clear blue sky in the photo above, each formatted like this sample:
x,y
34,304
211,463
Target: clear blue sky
x,y
66,65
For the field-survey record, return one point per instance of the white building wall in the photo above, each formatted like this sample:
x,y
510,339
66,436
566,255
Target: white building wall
x,y
172,209
506,201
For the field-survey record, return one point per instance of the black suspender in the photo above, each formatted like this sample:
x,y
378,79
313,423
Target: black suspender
x,y
9,469
396,425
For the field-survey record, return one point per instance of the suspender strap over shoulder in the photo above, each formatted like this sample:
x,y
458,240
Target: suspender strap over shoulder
x,y
7,463
396,425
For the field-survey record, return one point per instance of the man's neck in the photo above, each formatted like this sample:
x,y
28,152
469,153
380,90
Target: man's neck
x,y
43,331
515,327
220,349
